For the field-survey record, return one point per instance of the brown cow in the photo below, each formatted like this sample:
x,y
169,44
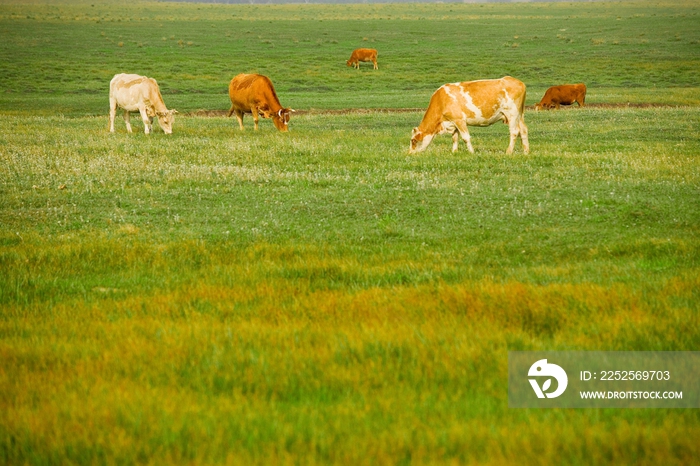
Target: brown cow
x,y
566,94
359,55
254,94
133,92
479,103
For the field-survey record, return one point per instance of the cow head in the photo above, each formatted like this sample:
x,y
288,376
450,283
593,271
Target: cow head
x,y
281,118
349,63
419,141
166,120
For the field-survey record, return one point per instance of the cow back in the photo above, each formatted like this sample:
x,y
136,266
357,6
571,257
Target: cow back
x,y
249,89
126,80
365,54
244,81
486,94
481,102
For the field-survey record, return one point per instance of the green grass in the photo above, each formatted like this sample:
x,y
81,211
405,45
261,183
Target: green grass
x,y
624,52
320,296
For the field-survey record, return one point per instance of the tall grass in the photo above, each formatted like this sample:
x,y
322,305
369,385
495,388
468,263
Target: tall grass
x,y
321,297
219,296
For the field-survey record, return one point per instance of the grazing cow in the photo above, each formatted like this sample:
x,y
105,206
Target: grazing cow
x,y
478,103
359,55
566,94
132,92
254,94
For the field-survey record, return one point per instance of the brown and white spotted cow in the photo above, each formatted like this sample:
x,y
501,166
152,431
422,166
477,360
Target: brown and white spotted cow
x,y
455,106
565,94
132,93
359,55
254,94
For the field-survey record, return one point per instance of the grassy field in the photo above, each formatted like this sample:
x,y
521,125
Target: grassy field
x,y
64,55
320,296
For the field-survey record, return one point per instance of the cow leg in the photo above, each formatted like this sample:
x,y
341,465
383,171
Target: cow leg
x,y
514,128
461,129
375,64
112,114
523,135
455,140
255,117
127,117
239,117
517,127
146,120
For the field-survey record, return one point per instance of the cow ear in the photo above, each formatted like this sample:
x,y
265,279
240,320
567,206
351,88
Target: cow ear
x,y
174,112
292,110
265,110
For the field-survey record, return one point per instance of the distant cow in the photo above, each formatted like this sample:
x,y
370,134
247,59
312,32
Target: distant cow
x,y
566,94
139,93
254,94
359,55
478,103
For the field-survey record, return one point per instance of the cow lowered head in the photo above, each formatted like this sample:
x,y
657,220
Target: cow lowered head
x,y
166,120
280,118
419,141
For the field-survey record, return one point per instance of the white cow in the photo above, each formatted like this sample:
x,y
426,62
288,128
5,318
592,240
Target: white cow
x,y
133,92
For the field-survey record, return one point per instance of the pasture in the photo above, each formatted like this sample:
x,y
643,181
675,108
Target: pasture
x,y
322,297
